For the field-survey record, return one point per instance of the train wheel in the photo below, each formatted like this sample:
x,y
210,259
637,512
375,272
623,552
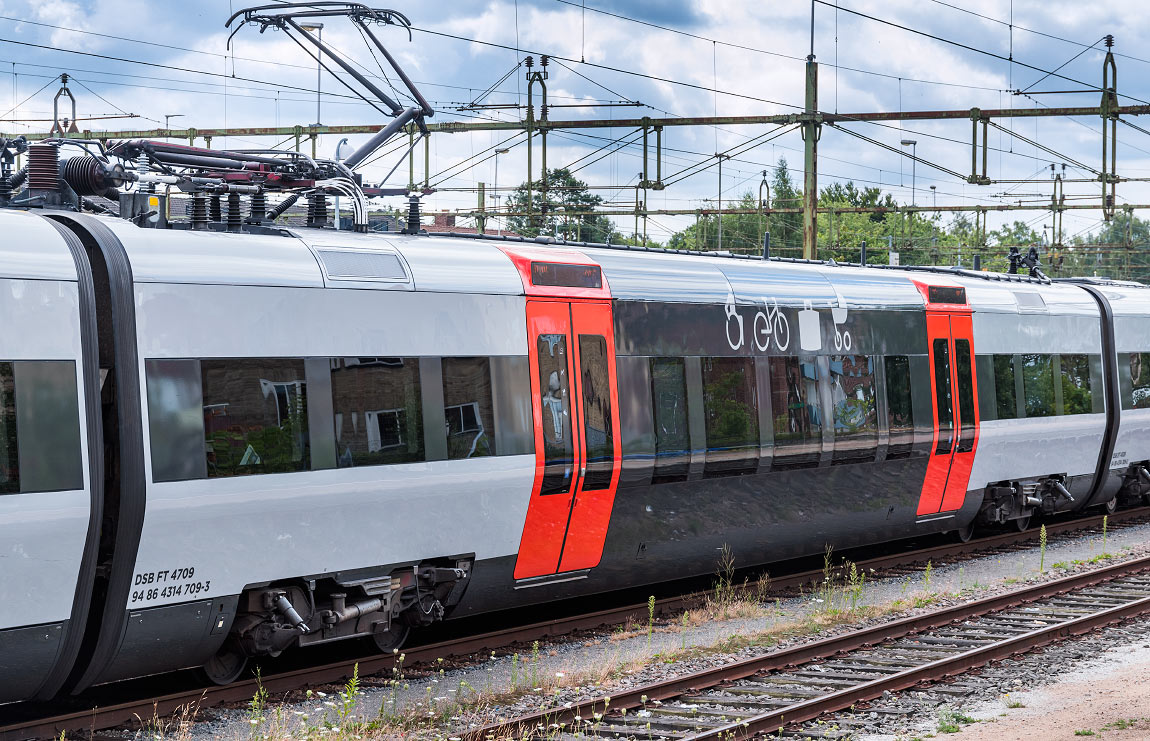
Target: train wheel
x,y
964,534
1111,506
1022,523
391,640
226,666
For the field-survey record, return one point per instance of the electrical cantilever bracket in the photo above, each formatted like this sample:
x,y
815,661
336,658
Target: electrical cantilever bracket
x,y
286,17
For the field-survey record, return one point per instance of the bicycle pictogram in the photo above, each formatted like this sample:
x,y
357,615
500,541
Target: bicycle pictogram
x,y
770,323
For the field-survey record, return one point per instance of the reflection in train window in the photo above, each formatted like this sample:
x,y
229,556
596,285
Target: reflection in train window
x,y
1038,385
964,371
598,431
558,448
794,404
731,416
1005,397
943,401
255,416
468,408
672,436
9,456
40,400
853,400
1139,381
900,416
378,409
1077,397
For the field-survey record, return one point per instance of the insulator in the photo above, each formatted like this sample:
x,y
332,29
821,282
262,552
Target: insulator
x,y
235,216
412,215
88,176
18,179
317,210
259,207
215,213
285,204
199,211
43,167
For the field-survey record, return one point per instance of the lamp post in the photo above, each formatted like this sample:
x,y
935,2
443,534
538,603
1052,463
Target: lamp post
x,y
913,160
338,147
496,195
912,143
167,127
318,29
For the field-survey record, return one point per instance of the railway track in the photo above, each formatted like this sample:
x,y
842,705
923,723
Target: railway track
x,y
768,693
40,725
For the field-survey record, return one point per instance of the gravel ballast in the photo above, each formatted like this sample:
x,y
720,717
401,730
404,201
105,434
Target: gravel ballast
x,y
602,663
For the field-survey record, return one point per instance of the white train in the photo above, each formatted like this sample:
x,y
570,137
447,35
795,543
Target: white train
x,y
217,445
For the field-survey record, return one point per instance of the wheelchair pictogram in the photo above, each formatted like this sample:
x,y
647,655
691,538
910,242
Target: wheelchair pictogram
x,y
842,337
736,340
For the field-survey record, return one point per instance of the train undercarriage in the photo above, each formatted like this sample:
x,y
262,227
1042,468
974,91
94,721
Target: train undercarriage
x,y
309,611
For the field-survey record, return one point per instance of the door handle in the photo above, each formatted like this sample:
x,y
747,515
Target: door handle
x,y
583,472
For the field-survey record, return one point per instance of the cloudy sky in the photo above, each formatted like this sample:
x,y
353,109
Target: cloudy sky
x,y
155,58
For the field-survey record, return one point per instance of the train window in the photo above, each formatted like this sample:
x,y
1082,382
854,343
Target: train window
x,y
1077,396
1139,381
1038,385
255,416
672,435
1005,397
378,408
855,417
39,427
900,416
468,408
597,428
731,416
558,448
944,402
964,369
9,453
176,419
794,404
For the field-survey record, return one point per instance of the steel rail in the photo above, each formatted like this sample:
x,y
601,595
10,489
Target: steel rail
x,y
770,722
939,669
131,711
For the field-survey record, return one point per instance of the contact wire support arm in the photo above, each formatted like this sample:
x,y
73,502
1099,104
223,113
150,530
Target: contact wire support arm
x,y
286,17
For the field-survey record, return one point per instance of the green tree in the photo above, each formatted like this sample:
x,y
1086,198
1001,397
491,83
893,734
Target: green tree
x,y
742,233
848,195
1019,233
563,212
1121,249
786,229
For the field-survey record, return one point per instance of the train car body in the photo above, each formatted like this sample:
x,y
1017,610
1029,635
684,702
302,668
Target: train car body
x,y
51,488
312,435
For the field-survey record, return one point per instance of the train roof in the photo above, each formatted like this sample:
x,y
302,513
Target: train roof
x,y
468,263
32,249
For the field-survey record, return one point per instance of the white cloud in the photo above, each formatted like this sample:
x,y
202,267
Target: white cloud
x,y
454,71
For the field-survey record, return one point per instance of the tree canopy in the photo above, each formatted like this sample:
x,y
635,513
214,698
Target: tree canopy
x,y
1120,249
550,215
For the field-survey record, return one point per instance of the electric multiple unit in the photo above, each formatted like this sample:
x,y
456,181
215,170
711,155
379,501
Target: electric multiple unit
x,y
222,445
